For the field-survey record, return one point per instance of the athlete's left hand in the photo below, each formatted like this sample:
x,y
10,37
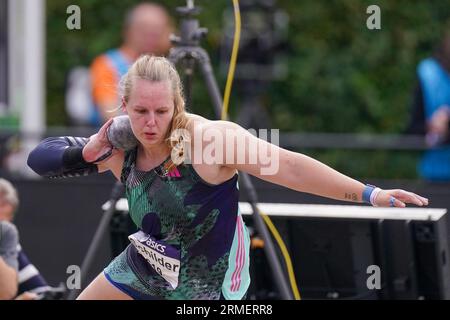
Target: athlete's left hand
x,y
99,148
399,198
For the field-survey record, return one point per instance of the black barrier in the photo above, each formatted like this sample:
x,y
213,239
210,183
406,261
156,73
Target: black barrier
x,y
57,220
332,259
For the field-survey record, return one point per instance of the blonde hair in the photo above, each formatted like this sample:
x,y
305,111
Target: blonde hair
x,y
9,193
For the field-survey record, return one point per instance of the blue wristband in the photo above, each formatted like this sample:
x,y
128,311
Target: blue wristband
x,y
368,189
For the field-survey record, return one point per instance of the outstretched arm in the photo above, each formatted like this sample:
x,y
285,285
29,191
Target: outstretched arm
x,y
300,172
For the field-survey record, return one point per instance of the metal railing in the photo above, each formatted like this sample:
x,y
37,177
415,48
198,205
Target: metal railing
x,y
289,140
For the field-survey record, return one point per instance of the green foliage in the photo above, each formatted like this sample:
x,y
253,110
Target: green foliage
x,y
342,77
346,78
369,164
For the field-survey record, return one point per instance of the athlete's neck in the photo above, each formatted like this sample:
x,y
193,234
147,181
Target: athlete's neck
x,y
159,151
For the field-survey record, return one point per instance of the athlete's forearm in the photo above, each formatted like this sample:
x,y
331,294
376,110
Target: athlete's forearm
x,y
59,157
302,173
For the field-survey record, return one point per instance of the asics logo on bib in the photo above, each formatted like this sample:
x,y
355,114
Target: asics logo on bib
x,y
162,257
155,245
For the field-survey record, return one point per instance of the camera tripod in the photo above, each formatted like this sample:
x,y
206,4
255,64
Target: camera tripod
x,y
188,53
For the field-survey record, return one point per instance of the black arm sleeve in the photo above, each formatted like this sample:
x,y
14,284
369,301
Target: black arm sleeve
x,y
60,157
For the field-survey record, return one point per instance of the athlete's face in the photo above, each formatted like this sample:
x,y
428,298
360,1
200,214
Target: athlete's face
x,y
150,108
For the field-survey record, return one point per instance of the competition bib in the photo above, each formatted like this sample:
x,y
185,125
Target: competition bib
x,y
163,258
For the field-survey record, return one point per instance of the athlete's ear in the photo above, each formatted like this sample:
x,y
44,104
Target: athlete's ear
x,y
123,106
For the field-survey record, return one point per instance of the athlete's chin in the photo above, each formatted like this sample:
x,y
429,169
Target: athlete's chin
x,y
150,140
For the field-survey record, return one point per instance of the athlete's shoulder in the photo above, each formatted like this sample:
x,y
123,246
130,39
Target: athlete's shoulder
x,y
195,118
198,122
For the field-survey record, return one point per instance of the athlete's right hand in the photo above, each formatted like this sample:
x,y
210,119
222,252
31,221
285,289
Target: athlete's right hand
x,y
98,148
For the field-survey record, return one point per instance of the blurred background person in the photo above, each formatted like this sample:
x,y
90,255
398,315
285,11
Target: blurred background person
x,y
146,30
8,259
18,277
430,112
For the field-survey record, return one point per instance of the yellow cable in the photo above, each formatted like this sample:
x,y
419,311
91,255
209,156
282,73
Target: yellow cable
x,y
233,59
285,252
226,100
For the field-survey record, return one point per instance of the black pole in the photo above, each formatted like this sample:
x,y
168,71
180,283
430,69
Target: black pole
x,y
211,84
